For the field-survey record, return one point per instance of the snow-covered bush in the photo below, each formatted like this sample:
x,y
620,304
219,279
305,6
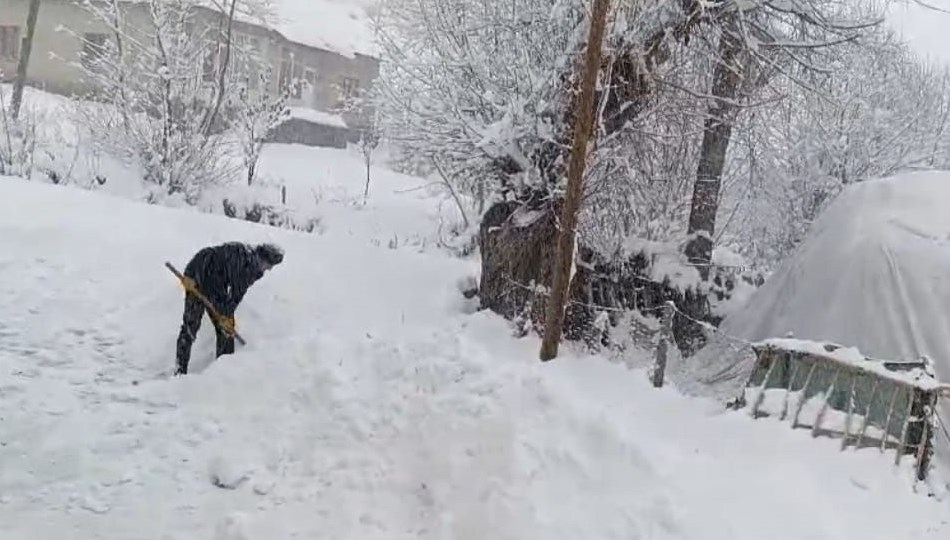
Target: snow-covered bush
x,y
256,113
17,141
176,83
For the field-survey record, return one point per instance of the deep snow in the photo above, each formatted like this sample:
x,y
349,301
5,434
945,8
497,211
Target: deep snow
x,y
370,403
320,183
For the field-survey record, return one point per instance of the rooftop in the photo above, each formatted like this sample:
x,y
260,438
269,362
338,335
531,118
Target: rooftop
x,y
340,26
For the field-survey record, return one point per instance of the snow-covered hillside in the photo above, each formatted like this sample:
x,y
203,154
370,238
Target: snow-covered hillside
x,y
371,402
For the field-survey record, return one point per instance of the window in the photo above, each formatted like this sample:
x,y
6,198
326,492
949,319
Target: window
x,y
291,76
298,81
350,87
10,42
283,77
209,63
285,74
93,49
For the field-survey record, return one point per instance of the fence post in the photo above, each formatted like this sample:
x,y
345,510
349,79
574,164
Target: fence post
x,y
283,194
666,334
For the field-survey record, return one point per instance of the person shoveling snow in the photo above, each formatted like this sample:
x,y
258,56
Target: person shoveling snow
x,y
216,280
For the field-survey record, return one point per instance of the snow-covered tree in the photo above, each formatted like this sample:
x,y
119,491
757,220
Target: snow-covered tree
x,y
482,87
878,112
173,75
257,112
691,96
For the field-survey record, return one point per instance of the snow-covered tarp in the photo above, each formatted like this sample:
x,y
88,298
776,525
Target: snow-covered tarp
x,y
873,274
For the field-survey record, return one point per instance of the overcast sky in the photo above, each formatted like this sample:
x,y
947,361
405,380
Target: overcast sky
x,y
928,31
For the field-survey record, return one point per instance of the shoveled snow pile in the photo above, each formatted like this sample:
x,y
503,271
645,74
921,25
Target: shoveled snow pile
x,y
370,403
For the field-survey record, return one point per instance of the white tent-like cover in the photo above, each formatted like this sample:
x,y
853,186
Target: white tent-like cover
x,y
873,274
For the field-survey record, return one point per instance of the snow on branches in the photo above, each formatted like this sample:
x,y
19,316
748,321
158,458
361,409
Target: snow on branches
x,y
480,92
180,89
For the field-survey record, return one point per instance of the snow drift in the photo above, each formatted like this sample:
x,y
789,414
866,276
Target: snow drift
x,y
370,403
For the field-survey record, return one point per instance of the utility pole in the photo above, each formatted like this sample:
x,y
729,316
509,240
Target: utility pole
x,y
583,126
26,48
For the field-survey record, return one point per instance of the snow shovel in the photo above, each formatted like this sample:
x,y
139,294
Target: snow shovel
x,y
203,299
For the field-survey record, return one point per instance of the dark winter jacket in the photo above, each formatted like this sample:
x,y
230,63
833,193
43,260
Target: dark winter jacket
x,y
225,272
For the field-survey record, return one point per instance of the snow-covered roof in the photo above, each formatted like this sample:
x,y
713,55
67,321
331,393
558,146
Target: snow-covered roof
x,y
340,26
317,117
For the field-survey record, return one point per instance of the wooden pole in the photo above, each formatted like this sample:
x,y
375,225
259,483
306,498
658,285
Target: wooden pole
x,y
662,346
203,299
847,421
824,406
583,126
924,448
788,390
908,414
26,48
760,398
804,395
890,414
867,414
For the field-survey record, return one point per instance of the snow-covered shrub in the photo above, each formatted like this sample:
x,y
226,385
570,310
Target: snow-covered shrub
x,y
175,87
273,215
264,203
17,141
257,113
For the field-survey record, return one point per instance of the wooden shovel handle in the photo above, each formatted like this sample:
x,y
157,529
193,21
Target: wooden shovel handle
x,y
203,299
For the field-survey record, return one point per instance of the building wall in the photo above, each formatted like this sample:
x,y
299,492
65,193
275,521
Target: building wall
x,y
56,51
329,78
297,131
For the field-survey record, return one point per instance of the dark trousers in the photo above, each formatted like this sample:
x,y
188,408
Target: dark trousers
x,y
190,324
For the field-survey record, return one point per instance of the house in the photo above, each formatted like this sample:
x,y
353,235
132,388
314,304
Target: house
x,y
322,49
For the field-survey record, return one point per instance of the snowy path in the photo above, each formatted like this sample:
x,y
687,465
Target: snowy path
x,y
369,404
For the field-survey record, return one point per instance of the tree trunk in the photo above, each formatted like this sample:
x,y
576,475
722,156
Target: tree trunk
x,y
716,134
367,161
25,49
583,123
251,170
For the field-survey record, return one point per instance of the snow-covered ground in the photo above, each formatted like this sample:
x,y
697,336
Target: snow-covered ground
x,y
371,402
320,183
